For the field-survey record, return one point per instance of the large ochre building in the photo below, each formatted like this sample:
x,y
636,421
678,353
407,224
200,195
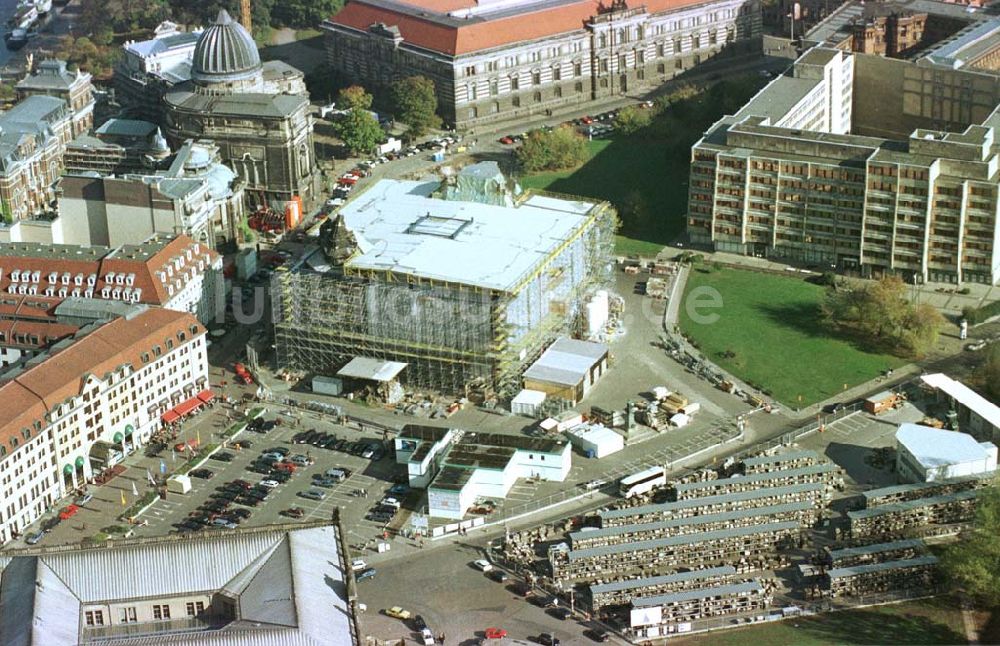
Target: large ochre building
x,y
872,165
501,59
264,132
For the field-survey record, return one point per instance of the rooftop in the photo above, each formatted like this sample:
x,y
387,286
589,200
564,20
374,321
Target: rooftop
x,y
757,478
400,229
934,448
786,456
838,573
683,539
965,396
908,505
917,486
699,593
666,579
290,585
456,27
566,362
709,501
371,369
966,46
848,552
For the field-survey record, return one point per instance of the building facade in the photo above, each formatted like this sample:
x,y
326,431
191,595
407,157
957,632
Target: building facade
x,y
147,70
892,34
52,78
264,130
189,192
86,403
33,138
873,165
501,60
172,272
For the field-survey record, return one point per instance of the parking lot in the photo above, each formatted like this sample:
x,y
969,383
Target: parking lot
x,y
374,477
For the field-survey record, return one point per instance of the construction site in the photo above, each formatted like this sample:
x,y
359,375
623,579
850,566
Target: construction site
x,y
465,290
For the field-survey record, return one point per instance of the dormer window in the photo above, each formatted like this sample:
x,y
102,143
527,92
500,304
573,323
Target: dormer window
x,y
76,293
65,278
36,276
109,277
89,293
120,279
62,292
105,292
117,294
130,280
53,277
92,280
78,279
15,276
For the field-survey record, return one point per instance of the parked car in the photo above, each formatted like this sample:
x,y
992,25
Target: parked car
x,y
268,484
204,474
483,565
302,460
548,639
367,453
365,574
399,490
597,634
280,450
240,513
223,456
495,633
33,539
84,499
224,522
68,512
280,476
427,636
243,444
398,612
290,467
560,613
313,494
326,483
498,575
294,512
50,523
243,484
358,564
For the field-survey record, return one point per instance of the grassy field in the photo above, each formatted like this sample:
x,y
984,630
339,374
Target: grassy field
x,y
925,622
646,175
772,324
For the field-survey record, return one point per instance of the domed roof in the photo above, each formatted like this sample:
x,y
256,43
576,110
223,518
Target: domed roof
x,y
225,52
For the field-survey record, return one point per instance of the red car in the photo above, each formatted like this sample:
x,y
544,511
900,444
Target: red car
x,y
285,466
495,633
68,512
587,120
506,140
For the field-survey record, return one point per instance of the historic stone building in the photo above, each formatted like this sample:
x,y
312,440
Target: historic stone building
x,y
510,58
264,133
893,33
52,78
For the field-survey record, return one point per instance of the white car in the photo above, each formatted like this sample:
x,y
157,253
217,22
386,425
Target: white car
x,y
269,484
358,564
427,636
391,502
483,565
594,484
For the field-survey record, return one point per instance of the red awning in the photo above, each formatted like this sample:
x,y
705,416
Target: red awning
x,y
170,417
206,396
188,406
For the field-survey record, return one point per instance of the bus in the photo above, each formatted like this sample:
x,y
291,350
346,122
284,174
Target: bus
x,y
644,481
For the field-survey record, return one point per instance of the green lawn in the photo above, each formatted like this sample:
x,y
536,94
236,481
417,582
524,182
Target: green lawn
x,y
772,324
646,175
925,622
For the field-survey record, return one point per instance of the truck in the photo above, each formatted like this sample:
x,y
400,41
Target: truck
x,y
242,373
392,145
327,385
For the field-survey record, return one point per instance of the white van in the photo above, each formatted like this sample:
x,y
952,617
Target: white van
x,y
337,474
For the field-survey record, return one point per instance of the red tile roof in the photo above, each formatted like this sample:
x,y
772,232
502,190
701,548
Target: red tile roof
x,y
436,31
36,391
154,291
33,334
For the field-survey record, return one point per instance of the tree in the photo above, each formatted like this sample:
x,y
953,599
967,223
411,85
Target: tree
x,y
973,564
987,375
304,13
879,315
122,16
352,97
556,149
631,119
359,131
415,102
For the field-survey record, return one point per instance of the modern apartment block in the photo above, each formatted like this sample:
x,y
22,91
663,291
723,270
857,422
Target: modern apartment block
x,y
80,407
510,58
871,165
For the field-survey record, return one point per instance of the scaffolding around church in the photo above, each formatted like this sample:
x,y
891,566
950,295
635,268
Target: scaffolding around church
x,y
457,337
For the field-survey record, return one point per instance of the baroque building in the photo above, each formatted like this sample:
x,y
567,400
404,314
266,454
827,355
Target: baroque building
x,y
262,126
503,59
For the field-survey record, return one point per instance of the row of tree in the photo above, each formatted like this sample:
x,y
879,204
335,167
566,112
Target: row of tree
x,y
413,100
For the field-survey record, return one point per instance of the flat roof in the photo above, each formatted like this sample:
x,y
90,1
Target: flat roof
x,y
848,552
371,369
421,432
529,397
907,505
854,570
699,593
934,448
707,501
967,45
787,456
683,539
401,229
965,396
918,486
704,519
451,479
756,478
665,579
566,362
